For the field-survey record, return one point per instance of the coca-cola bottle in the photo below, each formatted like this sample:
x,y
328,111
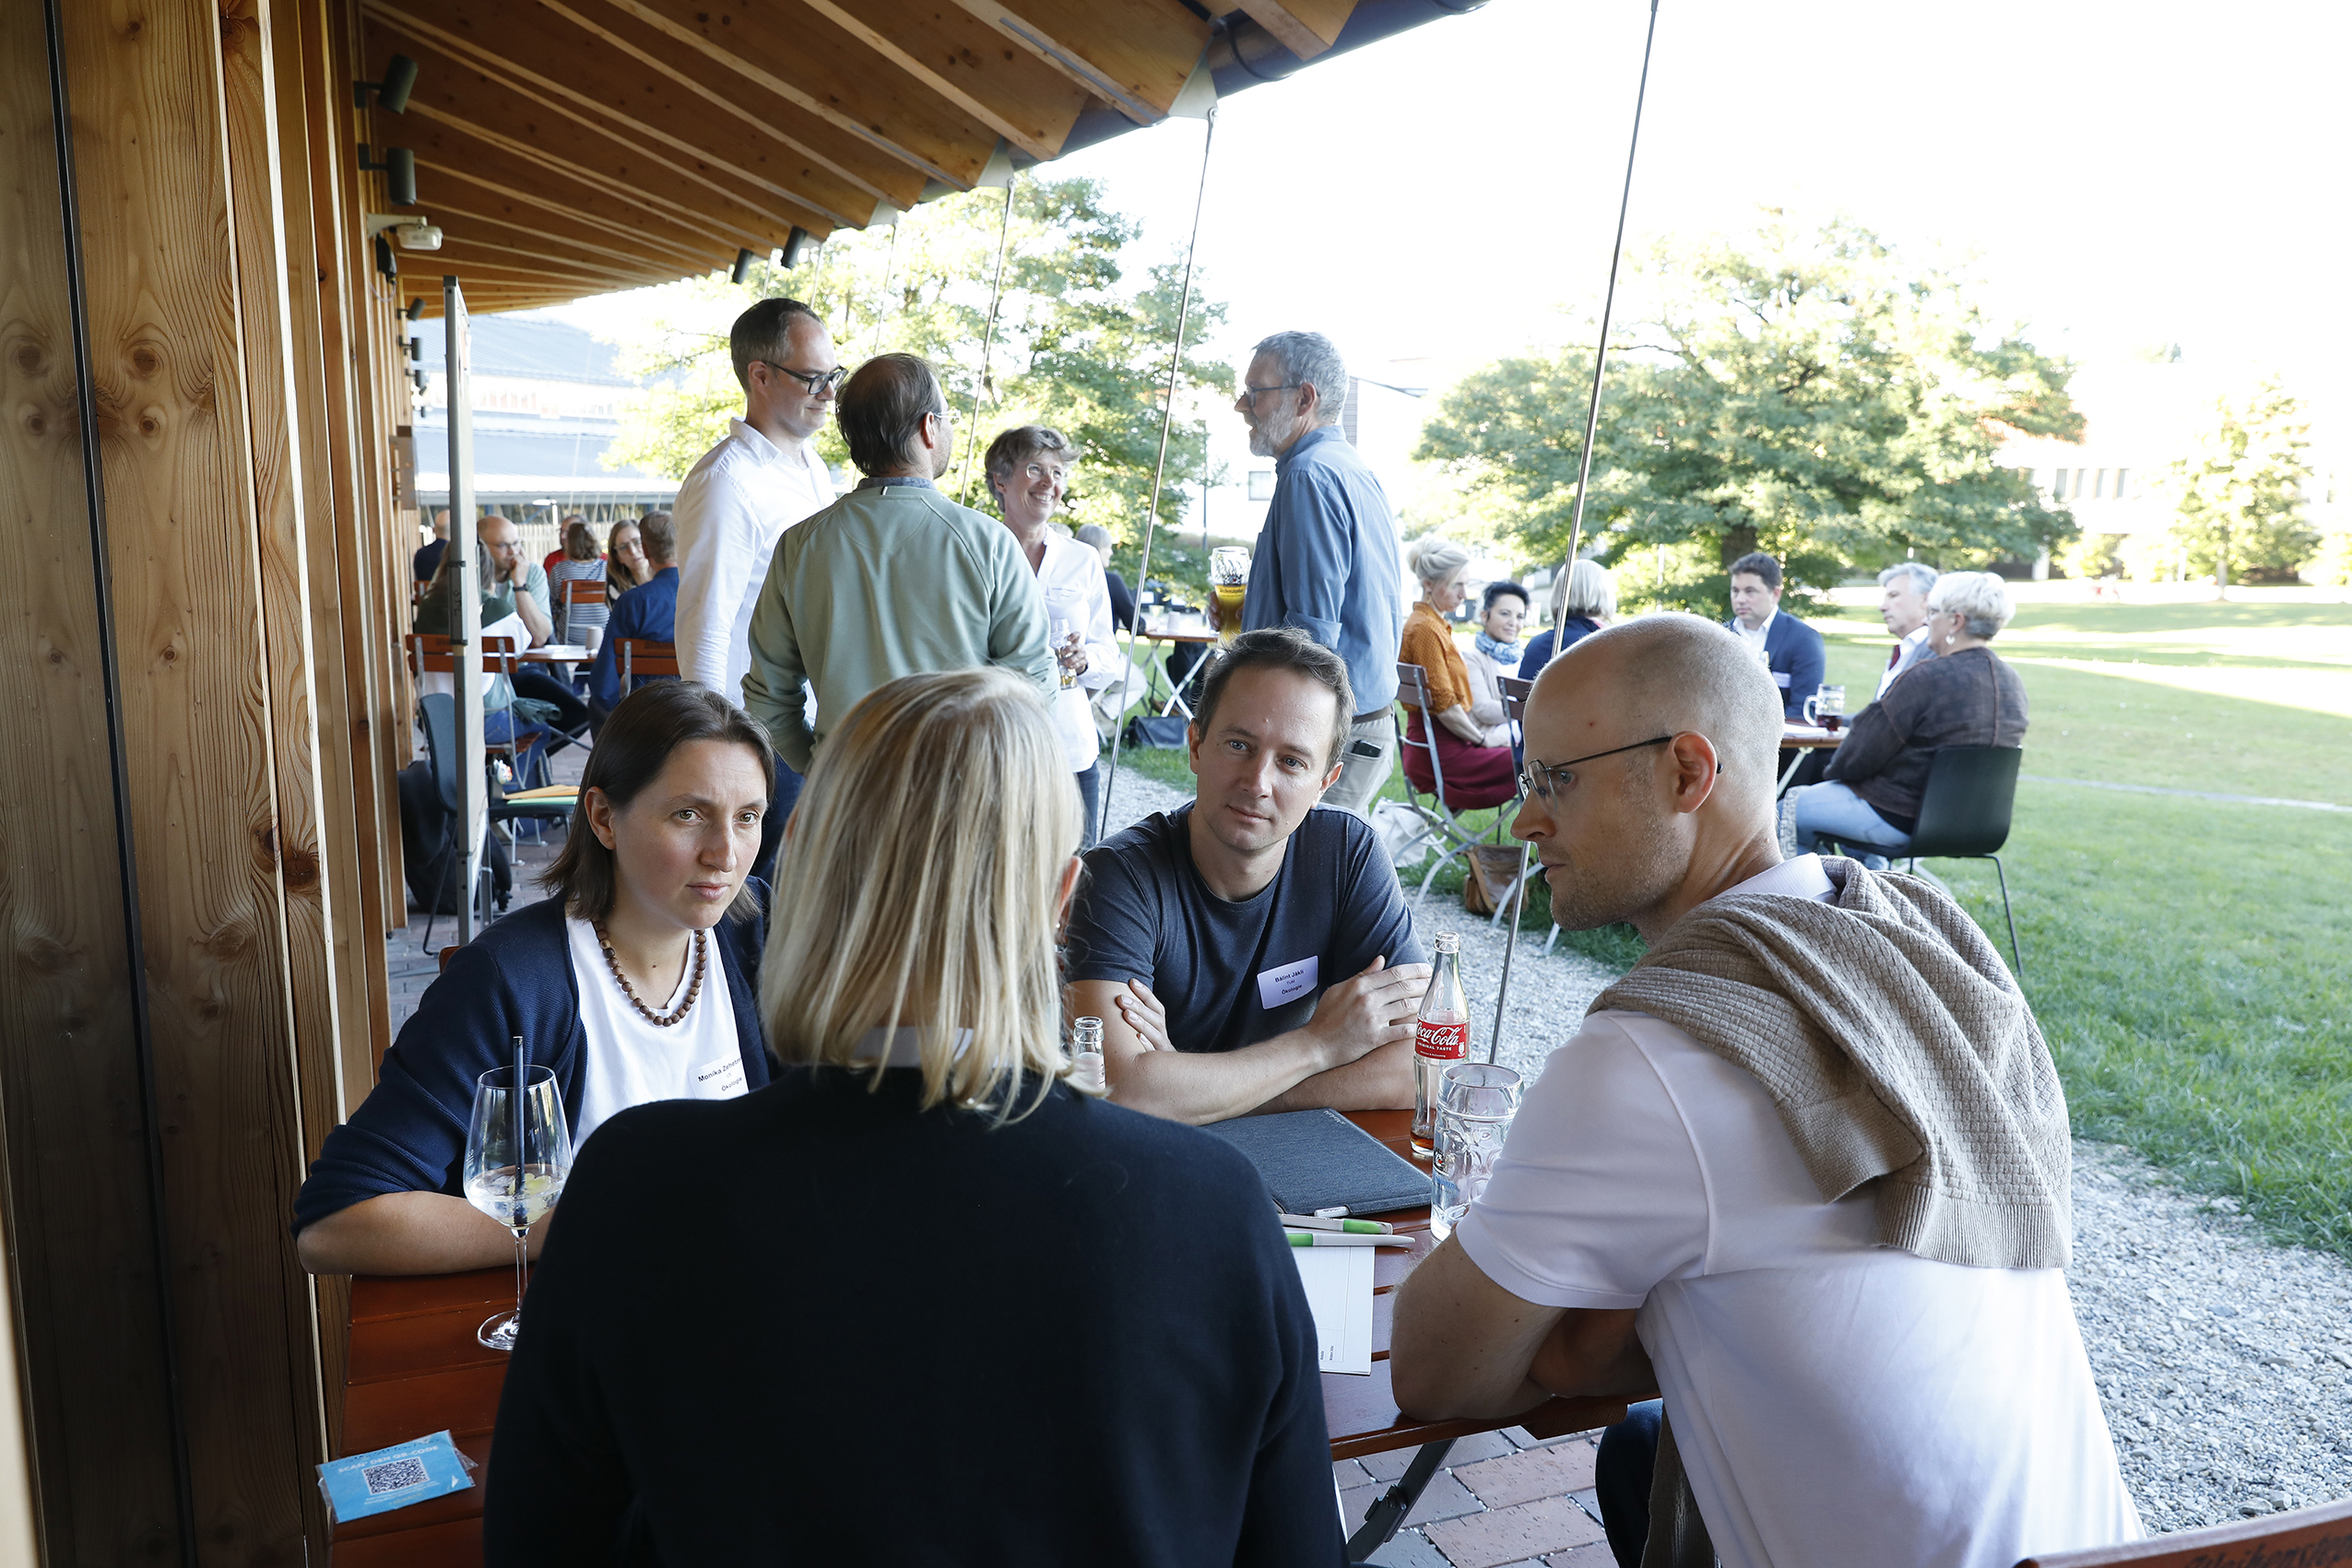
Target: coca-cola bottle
x,y
1440,1038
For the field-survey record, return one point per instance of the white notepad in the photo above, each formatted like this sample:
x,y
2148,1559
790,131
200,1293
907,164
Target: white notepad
x,y
1339,1290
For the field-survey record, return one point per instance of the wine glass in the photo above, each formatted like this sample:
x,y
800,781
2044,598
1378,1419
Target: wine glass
x,y
518,1149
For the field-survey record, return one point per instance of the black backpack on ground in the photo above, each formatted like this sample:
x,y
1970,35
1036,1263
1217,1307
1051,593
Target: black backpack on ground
x,y
428,849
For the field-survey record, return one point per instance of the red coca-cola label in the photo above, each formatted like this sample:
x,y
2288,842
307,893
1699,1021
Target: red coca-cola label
x,y
1441,1041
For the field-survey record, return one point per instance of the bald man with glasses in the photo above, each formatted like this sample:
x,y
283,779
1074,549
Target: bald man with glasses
x,y
742,494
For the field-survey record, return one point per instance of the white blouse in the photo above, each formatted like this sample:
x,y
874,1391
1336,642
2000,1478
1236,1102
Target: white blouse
x,y
1077,591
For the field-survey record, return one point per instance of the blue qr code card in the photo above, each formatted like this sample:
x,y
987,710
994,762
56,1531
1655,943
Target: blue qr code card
x,y
394,1477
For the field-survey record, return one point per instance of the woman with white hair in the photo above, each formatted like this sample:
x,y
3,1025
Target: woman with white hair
x,y
1476,773
1967,695
1584,599
927,1216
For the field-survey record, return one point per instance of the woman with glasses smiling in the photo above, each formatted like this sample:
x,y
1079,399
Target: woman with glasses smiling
x,y
1029,471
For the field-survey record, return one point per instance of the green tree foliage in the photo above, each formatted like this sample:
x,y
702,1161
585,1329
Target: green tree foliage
x,y
1808,394
2238,496
1071,347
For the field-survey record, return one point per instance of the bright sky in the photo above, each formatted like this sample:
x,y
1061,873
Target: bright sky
x,y
2121,175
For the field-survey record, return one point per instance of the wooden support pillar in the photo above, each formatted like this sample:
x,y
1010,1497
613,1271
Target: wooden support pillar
x,y
187,343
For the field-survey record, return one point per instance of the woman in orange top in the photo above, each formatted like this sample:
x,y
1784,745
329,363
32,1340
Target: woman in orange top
x,y
1476,774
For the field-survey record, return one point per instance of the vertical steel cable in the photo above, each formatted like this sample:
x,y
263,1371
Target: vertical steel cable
x,y
988,341
1584,477
1159,471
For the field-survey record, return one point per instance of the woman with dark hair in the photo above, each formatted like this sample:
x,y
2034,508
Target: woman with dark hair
x,y
579,562
1493,654
636,981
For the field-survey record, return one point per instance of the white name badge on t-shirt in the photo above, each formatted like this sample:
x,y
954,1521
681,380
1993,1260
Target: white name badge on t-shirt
x,y
1289,981
719,1080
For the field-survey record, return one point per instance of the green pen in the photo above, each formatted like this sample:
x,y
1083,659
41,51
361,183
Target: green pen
x,y
1333,1239
1352,1227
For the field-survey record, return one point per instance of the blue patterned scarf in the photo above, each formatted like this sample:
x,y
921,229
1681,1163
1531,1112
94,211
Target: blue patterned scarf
x,y
1504,654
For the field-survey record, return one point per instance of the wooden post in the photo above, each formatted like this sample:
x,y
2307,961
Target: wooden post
x,y
207,734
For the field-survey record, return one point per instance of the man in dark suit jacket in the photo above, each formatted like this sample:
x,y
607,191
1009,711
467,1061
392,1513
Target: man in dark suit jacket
x,y
1793,652
648,612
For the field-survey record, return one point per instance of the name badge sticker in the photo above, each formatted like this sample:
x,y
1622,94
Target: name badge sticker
x,y
1288,981
1781,678
721,1079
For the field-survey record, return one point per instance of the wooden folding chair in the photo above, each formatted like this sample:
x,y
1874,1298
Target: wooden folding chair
x,y
2302,1534
430,654
640,657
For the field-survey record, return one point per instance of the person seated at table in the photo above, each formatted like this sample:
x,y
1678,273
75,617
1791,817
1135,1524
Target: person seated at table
x,y
1804,1170
512,586
923,1220
1792,651
633,981
647,613
1965,695
580,561
1478,766
1584,599
1494,654
1249,951
625,553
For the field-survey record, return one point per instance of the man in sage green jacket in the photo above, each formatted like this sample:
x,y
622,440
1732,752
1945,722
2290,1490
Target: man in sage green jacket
x,y
892,579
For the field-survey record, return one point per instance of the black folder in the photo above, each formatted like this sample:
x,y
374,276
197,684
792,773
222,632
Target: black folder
x,y
1320,1160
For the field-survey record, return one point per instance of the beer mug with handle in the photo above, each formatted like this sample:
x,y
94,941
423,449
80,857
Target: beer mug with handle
x,y
1826,707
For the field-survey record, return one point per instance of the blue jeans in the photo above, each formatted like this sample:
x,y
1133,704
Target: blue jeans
x,y
500,727
1834,811
1090,800
1621,1480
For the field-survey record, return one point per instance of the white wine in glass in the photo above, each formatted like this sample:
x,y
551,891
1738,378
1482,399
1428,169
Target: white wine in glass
x,y
518,1151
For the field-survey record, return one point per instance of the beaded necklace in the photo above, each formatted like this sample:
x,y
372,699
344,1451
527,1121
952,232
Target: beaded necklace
x,y
660,1020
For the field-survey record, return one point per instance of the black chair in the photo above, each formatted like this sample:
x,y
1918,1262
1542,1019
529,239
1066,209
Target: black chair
x,y
439,711
1971,794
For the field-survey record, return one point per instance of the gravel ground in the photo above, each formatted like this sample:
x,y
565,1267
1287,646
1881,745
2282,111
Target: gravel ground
x,y
2224,1362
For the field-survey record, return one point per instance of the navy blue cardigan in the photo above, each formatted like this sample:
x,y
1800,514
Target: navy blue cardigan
x,y
515,978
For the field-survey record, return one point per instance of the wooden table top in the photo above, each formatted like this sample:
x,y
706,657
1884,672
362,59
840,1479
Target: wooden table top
x,y
416,1369
1803,737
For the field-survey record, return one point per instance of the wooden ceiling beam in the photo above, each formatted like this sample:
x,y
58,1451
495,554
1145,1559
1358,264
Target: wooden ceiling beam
x,y
801,57
544,60
526,247
454,99
464,198
1134,54
969,63
491,265
853,157
1306,28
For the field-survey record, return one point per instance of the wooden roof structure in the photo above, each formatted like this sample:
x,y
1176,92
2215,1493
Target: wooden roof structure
x,y
570,147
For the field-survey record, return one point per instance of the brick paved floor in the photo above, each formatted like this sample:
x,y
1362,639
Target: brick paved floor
x,y
1505,1502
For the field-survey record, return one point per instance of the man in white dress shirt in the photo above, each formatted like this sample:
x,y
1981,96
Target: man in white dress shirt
x,y
1804,1170
738,498
1902,605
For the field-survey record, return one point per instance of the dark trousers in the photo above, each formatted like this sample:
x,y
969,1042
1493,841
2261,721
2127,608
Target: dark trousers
x,y
788,795
1621,1479
1090,796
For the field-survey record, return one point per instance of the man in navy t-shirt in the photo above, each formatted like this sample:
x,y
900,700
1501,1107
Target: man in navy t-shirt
x,y
1249,951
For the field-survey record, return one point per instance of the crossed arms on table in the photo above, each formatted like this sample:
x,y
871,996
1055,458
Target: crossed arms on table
x,y
1356,1054
1464,1347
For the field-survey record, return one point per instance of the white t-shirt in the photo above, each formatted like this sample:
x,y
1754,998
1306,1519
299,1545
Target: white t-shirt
x,y
1071,579
1835,1402
732,507
629,1061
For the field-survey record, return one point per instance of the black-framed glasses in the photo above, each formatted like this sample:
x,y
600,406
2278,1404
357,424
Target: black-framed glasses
x,y
1550,781
1251,393
818,383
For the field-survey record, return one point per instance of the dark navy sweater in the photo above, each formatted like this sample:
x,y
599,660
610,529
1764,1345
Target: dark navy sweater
x,y
515,978
816,1325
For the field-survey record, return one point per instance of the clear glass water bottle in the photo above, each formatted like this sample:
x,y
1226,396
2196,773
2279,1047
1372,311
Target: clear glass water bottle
x,y
1440,1038
1086,1053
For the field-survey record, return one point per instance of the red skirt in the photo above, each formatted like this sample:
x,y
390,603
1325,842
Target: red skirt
x,y
1476,776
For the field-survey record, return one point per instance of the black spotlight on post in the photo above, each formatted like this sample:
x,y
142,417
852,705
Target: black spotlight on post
x,y
742,266
399,169
416,307
796,245
399,81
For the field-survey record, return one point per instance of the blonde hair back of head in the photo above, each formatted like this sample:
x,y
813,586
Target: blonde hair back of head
x,y
924,862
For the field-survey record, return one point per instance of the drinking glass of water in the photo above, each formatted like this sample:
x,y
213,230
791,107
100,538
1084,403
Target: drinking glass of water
x,y
518,1151
1475,1105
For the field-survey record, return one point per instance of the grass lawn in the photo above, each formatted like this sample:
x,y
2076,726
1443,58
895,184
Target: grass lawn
x,y
2188,958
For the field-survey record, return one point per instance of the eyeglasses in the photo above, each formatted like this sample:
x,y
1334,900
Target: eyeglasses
x,y
818,383
1550,781
1037,471
1249,394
